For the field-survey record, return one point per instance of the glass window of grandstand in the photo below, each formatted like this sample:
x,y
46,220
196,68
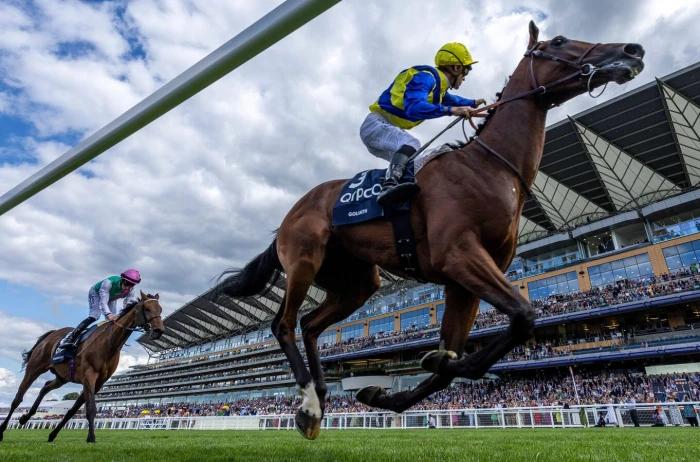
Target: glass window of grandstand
x,y
553,259
560,284
598,244
633,268
415,319
683,256
351,332
327,338
626,236
682,224
515,270
382,325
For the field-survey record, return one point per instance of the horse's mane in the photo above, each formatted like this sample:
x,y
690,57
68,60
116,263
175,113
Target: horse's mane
x,y
459,144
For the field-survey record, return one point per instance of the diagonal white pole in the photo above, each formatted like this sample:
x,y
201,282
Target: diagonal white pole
x,y
271,28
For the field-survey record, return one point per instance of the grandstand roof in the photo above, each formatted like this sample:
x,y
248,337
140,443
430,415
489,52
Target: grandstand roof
x,y
620,155
207,318
623,154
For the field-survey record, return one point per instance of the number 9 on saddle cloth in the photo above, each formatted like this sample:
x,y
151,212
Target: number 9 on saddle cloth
x,y
357,203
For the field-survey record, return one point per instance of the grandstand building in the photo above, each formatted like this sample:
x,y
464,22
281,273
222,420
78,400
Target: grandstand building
x,y
609,254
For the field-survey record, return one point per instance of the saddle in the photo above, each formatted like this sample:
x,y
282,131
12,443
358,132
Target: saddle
x,y
357,203
67,352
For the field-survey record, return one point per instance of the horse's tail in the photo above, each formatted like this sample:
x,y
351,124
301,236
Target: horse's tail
x,y
251,280
28,354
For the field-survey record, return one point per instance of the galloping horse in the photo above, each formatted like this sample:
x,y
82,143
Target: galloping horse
x,y
95,361
465,221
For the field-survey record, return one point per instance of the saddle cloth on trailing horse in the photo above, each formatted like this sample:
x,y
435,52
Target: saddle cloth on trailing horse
x,y
62,354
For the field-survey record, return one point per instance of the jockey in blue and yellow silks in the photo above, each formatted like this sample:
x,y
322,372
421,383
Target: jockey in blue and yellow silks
x,y
416,94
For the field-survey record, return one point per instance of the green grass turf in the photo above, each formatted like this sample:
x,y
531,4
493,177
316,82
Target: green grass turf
x,y
557,445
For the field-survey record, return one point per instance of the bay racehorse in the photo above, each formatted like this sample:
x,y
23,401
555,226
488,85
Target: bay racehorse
x,y
465,221
96,359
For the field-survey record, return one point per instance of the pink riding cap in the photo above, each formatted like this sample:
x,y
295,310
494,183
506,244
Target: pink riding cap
x,y
131,275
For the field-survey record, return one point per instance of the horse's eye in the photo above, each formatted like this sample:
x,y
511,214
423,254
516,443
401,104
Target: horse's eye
x,y
558,41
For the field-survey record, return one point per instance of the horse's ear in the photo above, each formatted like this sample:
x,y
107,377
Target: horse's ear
x,y
534,34
157,297
143,296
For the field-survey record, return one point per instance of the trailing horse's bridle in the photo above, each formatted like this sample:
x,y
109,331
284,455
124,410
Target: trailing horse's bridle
x,y
142,322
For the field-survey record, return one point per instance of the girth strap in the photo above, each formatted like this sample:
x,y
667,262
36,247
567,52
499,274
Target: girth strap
x,y
406,244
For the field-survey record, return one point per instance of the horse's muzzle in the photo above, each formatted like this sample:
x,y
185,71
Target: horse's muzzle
x,y
625,65
156,333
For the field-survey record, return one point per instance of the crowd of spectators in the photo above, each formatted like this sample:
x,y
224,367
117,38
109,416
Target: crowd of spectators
x,y
591,388
620,292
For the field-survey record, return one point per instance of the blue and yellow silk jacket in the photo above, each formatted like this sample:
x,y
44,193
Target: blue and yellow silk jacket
x,y
416,94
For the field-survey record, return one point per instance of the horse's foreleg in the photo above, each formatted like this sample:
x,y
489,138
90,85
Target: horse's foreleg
x,y
29,377
341,301
460,311
90,406
71,412
48,386
478,273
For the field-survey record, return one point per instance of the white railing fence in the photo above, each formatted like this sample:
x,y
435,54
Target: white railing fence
x,y
521,417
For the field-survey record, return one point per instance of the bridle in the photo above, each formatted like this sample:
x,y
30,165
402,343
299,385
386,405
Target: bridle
x,y
581,69
142,322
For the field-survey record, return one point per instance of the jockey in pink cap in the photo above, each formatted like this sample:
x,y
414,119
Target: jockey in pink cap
x,y
103,298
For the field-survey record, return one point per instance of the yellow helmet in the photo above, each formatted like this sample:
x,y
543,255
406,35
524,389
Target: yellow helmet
x,y
454,53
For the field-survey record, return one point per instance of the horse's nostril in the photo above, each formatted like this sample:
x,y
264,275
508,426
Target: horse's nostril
x,y
634,49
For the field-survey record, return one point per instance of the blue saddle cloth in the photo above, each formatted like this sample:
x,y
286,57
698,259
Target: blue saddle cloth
x,y
62,354
357,201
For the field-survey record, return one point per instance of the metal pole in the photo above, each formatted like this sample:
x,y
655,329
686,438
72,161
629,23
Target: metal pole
x,y
573,379
268,30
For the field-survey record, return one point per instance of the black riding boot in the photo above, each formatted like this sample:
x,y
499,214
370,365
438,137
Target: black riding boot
x,y
394,192
72,339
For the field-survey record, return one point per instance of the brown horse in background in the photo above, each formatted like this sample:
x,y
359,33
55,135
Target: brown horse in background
x,y
465,221
96,359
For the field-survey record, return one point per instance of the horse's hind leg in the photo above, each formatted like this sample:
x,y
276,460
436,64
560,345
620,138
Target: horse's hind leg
x,y
345,294
30,375
461,309
478,273
48,386
301,252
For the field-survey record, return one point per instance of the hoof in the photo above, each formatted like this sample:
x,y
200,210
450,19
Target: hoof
x,y
308,425
433,360
1,436
369,395
52,437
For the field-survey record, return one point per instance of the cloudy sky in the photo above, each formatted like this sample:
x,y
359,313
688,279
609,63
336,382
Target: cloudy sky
x,y
201,188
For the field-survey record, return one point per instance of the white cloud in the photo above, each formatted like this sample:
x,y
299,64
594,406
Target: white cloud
x,y
201,189
18,334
